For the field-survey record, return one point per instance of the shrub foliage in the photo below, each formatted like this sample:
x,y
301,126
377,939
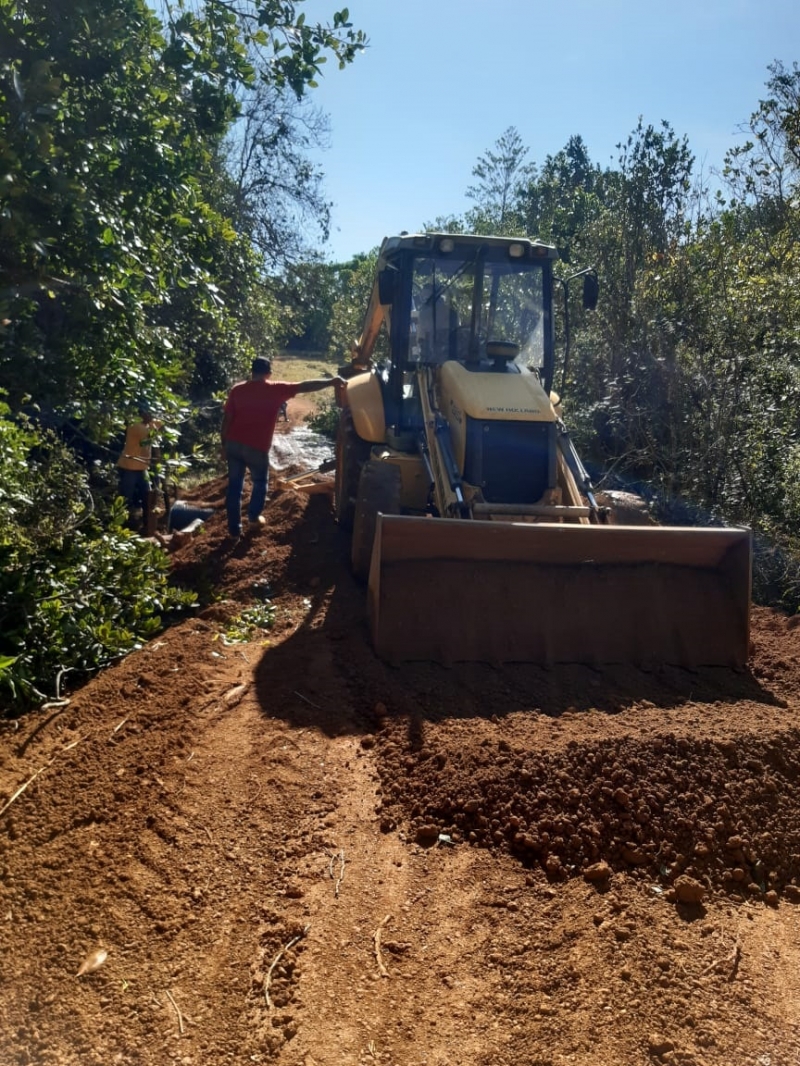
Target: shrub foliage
x,y
77,588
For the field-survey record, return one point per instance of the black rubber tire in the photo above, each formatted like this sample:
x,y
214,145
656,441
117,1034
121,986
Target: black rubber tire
x,y
351,454
378,493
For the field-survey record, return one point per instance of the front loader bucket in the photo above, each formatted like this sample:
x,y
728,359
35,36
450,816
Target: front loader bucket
x,y
460,590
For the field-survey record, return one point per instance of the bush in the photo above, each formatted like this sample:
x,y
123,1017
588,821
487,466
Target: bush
x,y
325,419
77,588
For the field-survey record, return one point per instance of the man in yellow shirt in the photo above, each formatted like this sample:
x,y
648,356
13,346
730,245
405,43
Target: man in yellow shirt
x,y
133,464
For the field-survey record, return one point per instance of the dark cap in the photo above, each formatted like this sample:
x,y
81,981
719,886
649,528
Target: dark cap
x,y
261,365
143,407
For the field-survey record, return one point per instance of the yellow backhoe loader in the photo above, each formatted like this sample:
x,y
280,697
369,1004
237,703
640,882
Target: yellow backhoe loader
x,y
473,519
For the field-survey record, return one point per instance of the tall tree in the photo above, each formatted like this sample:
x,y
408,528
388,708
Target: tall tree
x,y
276,190
355,280
762,173
559,201
116,238
309,293
641,223
500,172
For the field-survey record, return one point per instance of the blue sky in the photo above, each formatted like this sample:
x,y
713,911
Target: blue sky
x,y
441,80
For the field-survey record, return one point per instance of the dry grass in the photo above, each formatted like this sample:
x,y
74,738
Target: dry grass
x,y
296,366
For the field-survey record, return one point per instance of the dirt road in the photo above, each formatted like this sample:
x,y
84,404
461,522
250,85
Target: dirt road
x,y
293,854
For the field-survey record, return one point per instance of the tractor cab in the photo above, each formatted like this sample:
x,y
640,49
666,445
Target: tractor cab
x,y
484,302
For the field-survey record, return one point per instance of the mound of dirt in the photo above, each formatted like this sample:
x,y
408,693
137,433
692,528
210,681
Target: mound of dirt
x,y
723,810
282,850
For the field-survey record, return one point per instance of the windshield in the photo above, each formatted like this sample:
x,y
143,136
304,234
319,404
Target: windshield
x,y
460,305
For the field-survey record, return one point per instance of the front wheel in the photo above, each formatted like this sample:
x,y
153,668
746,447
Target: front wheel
x,y
378,493
351,454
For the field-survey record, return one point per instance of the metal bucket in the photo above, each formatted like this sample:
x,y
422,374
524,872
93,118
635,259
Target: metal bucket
x,y
456,590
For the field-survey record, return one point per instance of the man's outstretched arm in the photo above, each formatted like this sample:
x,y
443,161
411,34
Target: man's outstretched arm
x,y
315,384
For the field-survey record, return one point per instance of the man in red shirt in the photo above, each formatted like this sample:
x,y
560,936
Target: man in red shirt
x,y
248,425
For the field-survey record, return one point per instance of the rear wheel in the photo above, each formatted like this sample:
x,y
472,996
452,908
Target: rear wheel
x,y
351,454
378,493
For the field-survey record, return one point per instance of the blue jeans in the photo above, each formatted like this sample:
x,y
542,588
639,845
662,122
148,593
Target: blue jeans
x,y
134,488
240,459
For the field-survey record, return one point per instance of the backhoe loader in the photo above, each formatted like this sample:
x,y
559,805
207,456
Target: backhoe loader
x,y
473,520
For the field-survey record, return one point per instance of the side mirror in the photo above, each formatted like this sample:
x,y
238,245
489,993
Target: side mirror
x,y
591,290
386,286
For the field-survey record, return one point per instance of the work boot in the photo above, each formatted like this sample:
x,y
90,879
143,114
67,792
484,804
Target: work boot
x,y
257,523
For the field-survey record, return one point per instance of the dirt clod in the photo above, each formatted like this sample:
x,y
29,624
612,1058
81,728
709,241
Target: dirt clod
x,y
659,1046
598,872
687,890
427,835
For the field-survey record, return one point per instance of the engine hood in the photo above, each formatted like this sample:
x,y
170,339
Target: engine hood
x,y
493,396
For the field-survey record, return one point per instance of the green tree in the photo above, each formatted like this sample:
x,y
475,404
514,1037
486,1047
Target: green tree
x,y
639,224
561,199
117,241
500,172
277,194
308,293
742,334
354,280
762,173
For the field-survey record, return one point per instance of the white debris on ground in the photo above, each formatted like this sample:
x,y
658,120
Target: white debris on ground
x,y
302,448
